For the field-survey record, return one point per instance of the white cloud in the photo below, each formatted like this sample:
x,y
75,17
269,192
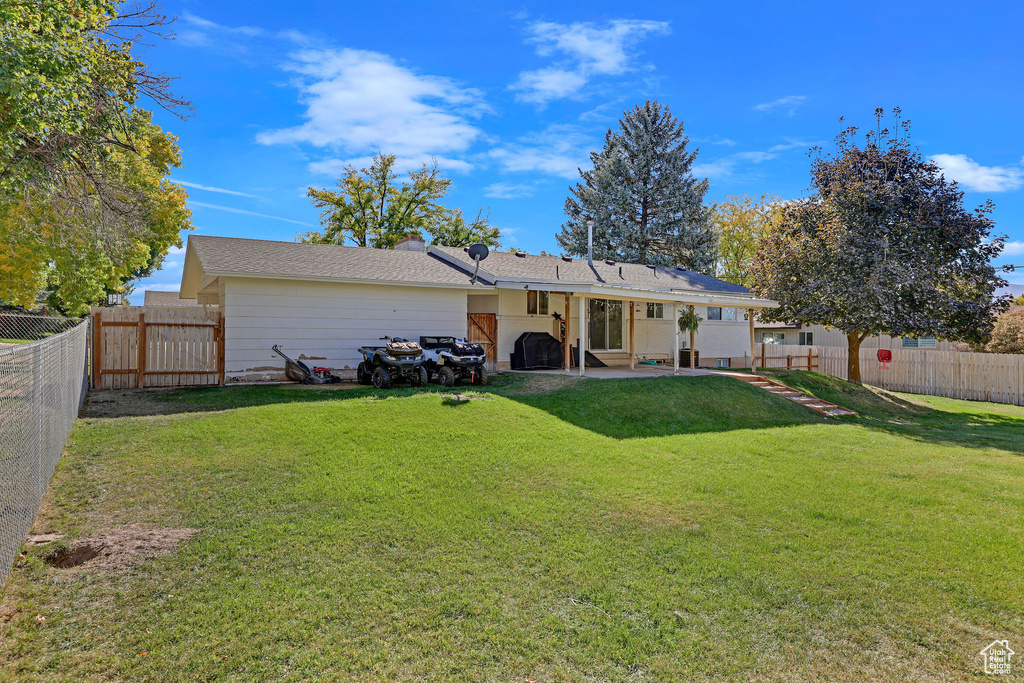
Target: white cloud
x,y
247,213
208,188
558,150
1015,248
787,104
359,102
587,50
508,191
174,251
403,164
725,166
720,168
977,178
544,85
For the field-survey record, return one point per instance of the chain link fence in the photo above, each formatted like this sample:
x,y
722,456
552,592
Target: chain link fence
x,y
42,383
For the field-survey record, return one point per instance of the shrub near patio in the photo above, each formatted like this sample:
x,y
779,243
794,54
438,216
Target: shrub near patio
x,y
543,528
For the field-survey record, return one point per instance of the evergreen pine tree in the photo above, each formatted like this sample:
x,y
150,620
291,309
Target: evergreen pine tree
x,y
642,197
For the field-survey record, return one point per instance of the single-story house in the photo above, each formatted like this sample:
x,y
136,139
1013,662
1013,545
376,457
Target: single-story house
x,y
322,302
156,299
822,335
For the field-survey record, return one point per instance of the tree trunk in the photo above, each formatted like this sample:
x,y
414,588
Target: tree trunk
x,y
853,340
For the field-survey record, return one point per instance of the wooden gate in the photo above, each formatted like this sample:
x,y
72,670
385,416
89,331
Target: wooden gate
x,y
135,347
483,330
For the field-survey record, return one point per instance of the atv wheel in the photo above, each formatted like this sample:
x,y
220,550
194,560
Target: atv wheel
x,y
480,376
362,376
446,376
381,378
419,377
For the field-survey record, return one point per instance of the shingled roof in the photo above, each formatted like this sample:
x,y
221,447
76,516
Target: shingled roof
x,y
529,267
240,257
210,257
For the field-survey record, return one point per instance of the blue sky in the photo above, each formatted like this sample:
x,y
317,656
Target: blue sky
x,y
510,98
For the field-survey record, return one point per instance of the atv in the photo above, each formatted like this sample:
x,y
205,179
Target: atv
x,y
398,359
451,359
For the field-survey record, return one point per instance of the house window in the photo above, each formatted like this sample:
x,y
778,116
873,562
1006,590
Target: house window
x,y
728,314
773,337
655,310
536,303
920,343
714,312
806,339
605,325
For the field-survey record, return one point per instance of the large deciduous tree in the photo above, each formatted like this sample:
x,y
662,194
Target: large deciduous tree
x,y
370,209
1008,332
740,222
884,245
645,203
85,203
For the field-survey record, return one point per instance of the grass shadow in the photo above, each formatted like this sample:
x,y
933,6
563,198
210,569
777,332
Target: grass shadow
x,y
632,408
926,418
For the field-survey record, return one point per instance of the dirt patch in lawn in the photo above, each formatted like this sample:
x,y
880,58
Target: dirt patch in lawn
x,y
116,549
523,384
127,403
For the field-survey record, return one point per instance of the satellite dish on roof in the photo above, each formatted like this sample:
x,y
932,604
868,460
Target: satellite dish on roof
x,y
478,252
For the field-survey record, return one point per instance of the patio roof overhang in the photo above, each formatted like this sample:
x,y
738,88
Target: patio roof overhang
x,y
674,296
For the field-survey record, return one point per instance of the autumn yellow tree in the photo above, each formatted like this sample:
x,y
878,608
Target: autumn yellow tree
x,y
740,222
85,201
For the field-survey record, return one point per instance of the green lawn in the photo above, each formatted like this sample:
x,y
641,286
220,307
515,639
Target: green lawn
x,y
559,530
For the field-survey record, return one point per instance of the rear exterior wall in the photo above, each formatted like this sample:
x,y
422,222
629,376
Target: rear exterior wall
x,y
324,323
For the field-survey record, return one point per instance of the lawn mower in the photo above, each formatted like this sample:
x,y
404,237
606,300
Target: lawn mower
x,y
398,359
451,359
298,371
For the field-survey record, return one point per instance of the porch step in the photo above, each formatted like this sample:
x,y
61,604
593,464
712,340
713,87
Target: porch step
x,y
800,398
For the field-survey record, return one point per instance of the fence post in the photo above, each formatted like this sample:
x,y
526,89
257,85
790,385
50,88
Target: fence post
x,y
97,350
141,382
220,348
37,413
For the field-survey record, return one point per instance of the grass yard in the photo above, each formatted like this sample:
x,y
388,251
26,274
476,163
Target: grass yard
x,y
552,529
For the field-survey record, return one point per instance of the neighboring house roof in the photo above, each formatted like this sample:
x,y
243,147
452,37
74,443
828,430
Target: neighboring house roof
x,y
508,266
167,300
263,258
776,326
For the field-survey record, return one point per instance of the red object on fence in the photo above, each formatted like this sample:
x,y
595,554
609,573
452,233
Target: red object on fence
x,y
884,357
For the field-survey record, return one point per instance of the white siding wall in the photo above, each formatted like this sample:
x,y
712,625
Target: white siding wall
x,y
827,336
654,338
326,322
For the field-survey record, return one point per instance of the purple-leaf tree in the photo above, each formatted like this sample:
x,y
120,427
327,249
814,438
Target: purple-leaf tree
x,y
883,245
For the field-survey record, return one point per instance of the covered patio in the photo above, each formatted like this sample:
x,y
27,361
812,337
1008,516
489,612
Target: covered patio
x,y
673,303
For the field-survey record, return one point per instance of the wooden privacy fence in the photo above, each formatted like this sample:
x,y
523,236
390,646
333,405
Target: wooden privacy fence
x,y
136,347
994,377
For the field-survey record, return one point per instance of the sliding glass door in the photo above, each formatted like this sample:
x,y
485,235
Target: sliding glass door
x,y
606,319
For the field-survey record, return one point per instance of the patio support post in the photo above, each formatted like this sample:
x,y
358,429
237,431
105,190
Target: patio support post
x,y
632,349
753,356
567,344
583,335
693,345
675,347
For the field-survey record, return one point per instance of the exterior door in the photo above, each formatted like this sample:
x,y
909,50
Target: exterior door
x,y
483,330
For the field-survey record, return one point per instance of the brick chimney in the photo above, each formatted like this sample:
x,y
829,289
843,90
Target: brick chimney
x,y
411,243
